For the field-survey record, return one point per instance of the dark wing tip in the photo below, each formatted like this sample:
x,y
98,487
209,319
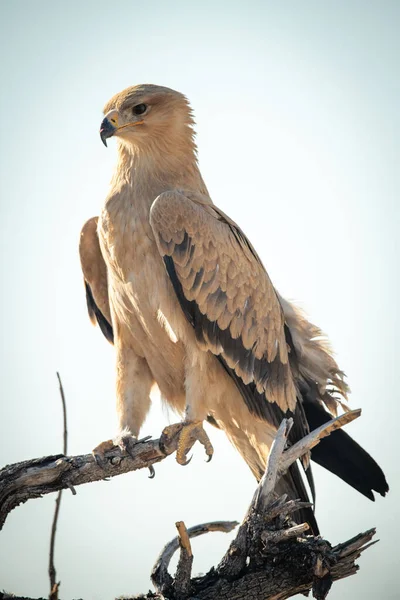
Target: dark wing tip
x,y
96,314
90,303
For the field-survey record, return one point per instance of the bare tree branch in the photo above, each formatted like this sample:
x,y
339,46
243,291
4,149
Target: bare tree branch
x,y
268,480
159,576
313,438
34,478
184,569
54,587
271,558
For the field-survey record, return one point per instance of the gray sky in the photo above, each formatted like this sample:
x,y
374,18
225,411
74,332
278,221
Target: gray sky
x,y
297,105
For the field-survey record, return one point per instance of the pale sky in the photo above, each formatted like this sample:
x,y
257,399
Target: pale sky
x,y
297,110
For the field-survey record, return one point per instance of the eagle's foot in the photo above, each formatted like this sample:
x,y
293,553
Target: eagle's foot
x,y
125,442
100,451
189,433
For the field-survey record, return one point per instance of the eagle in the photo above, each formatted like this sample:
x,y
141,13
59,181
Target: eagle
x,y
182,294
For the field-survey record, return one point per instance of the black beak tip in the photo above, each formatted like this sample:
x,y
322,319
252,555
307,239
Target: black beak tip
x,y
107,130
103,138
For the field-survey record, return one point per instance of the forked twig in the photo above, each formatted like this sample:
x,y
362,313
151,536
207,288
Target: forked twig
x,y
160,577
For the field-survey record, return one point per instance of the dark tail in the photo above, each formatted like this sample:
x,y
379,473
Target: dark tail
x,y
341,455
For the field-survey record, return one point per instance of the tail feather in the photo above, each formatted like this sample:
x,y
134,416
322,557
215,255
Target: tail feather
x,y
321,383
341,455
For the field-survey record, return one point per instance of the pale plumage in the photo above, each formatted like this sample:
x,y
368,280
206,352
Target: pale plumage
x,y
191,307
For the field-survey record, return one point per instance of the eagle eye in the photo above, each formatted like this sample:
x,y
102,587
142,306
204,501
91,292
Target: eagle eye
x,y
139,109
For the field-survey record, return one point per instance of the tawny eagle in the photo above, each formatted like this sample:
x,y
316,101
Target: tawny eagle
x,y
178,288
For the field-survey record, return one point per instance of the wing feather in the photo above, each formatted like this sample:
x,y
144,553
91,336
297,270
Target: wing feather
x,y
225,293
95,276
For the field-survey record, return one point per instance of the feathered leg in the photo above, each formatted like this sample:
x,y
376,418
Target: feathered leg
x,y
134,383
190,430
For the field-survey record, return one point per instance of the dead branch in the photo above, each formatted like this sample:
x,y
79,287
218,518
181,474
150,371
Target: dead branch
x,y
35,478
271,558
160,577
184,569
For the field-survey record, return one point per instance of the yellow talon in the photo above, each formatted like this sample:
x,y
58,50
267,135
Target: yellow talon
x,y
190,433
100,450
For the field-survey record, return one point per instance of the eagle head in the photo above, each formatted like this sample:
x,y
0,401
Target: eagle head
x,y
143,115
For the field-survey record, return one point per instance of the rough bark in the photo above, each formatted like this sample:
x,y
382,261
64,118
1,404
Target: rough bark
x,y
35,478
271,558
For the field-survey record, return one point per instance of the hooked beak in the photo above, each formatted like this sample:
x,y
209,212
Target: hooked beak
x,y
107,130
110,125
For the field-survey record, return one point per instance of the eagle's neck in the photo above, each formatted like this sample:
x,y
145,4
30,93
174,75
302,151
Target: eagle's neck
x,y
144,173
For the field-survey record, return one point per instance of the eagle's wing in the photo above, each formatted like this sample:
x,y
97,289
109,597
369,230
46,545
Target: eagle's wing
x,y
95,277
230,302
227,296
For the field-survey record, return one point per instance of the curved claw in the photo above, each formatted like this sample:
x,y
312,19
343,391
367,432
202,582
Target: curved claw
x,y
99,453
152,472
143,440
187,433
209,458
99,461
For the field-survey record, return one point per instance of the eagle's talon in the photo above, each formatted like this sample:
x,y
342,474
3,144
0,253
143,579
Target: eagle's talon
x,y
99,452
127,443
152,472
188,433
186,462
100,462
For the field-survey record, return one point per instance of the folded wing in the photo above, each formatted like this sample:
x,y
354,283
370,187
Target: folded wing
x,y
226,295
95,278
